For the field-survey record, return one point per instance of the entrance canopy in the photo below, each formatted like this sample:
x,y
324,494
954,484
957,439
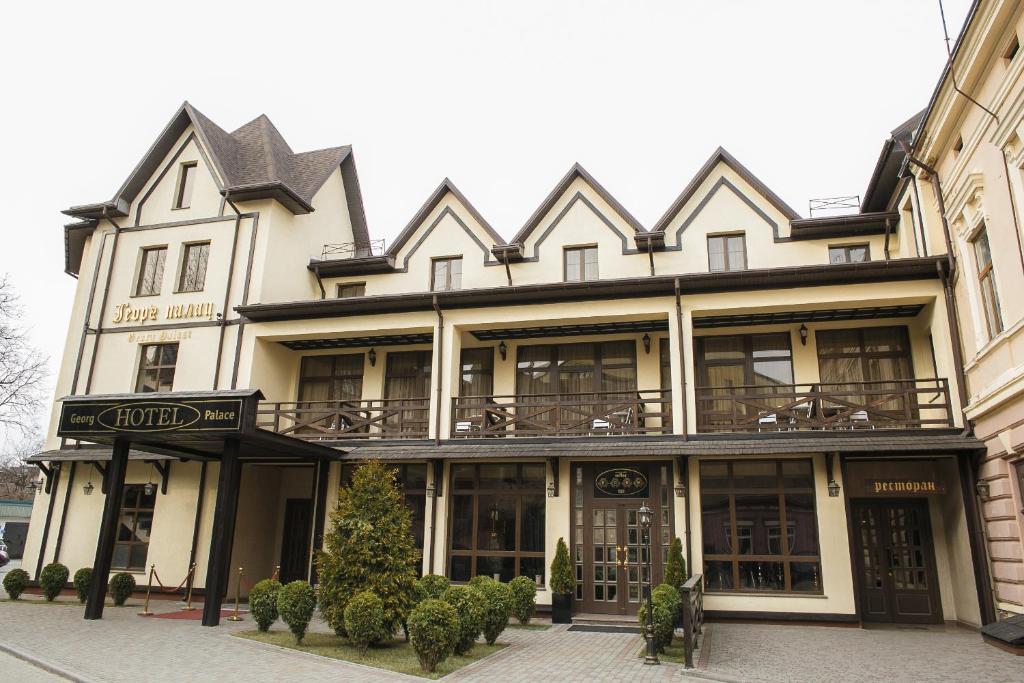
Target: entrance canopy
x,y
186,425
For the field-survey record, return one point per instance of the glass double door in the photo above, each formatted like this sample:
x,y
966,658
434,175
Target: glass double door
x,y
618,559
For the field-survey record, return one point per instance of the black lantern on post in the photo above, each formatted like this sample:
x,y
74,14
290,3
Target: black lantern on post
x,y
646,517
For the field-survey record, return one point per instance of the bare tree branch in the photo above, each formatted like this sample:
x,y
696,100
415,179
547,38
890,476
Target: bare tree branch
x,y
23,369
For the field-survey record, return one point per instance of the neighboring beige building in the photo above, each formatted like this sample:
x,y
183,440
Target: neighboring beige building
x,y
969,144
783,391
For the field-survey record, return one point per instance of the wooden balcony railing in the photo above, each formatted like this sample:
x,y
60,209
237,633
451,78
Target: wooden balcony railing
x,y
889,404
583,414
390,418
692,615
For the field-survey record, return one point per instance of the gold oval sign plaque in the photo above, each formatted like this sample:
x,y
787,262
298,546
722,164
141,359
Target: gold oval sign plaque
x,y
621,482
150,416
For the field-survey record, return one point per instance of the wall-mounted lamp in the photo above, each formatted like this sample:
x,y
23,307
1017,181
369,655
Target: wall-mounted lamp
x,y
551,489
680,490
833,488
372,355
88,488
431,490
503,349
983,488
646,339
150,487
34,486
803,334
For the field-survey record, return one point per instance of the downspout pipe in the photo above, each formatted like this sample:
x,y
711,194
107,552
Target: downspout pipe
x,y
103,300
440,370
682,358
227,292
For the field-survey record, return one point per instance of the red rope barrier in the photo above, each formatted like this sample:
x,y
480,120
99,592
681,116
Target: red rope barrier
x,y
165,589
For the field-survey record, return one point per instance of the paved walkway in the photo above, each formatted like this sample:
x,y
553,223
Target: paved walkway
x,y
125,647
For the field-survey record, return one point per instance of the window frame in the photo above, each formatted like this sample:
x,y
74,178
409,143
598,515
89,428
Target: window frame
x,y
187,171
987,287
786,556
143,367
135,512
581,276
342,286
449,285
200,283
725,237
846,249
158,275
901,333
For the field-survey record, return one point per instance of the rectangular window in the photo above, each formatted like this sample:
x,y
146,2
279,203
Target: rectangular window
x,y
133,529
987,283
759,526
412,480
727,253
849,253
193,267
331,378
580,264
446,274
348,290
156,369
497,521
186,179
151,271
1011,50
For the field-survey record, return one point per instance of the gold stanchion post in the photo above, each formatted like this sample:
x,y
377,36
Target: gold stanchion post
x,y
191,578
149,587
238,591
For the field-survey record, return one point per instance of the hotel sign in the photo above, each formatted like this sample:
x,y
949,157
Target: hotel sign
x,y
903,487
141,416
621,482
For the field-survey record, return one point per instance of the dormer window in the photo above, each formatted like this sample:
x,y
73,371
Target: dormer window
x,y
446,274
580,264
958,146
1011,50
849,253
186,179
727,253
350,290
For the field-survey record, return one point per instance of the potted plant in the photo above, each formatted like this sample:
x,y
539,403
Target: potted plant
x,y
561,585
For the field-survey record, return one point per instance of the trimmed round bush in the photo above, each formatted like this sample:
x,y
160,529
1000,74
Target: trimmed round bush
x,y
82,581
263,603
52,579
524,598
664,622
433,630
499,604
364,620
295,603
470,605
15,582
121,586
430,586
480,580
667,595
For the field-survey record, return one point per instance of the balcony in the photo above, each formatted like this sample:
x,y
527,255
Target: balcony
x,y
586,414
891,404
400,418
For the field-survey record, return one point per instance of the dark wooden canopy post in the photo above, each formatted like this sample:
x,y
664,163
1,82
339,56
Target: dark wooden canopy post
x,y
108,530
218,567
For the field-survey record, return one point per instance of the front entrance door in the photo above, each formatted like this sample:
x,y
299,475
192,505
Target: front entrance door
x,y
896,562
298,516
609,553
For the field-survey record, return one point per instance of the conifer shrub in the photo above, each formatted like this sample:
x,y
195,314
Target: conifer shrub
x,y
562,579
479,580
121,587
498,600
52,579
470,605
433,630
524,598
295,603
665,603
368,546
263,603
675,567
82,581
15,582
364,620
668,596
430,586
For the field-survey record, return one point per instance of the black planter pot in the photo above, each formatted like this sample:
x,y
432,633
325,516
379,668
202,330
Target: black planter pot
x,y
561,608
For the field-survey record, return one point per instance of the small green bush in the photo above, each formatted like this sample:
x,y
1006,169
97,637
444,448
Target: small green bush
x,y
675,568
562,579
15,582
430,586
498,606
364,620
82,581
433,630
668,596
470,605
52,579
664,622
263,603
295,604
121,587
524,598
480,580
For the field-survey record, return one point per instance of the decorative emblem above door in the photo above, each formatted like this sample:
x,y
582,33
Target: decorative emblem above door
x,y
621,482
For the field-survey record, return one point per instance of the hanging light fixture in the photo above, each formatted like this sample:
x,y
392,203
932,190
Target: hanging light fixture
x,y
372,355
803,334
88,488
646,339
503,349
833,488
983,488
150,487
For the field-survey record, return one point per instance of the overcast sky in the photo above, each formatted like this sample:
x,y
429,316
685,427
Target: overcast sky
x,y
500,97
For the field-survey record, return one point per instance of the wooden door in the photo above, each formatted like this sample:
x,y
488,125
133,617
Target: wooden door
x,y
298,516
896,562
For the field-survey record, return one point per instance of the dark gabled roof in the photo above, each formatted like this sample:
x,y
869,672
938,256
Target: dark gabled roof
x,y
577,171
721,155
851,225
886,174
433,200
253,162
